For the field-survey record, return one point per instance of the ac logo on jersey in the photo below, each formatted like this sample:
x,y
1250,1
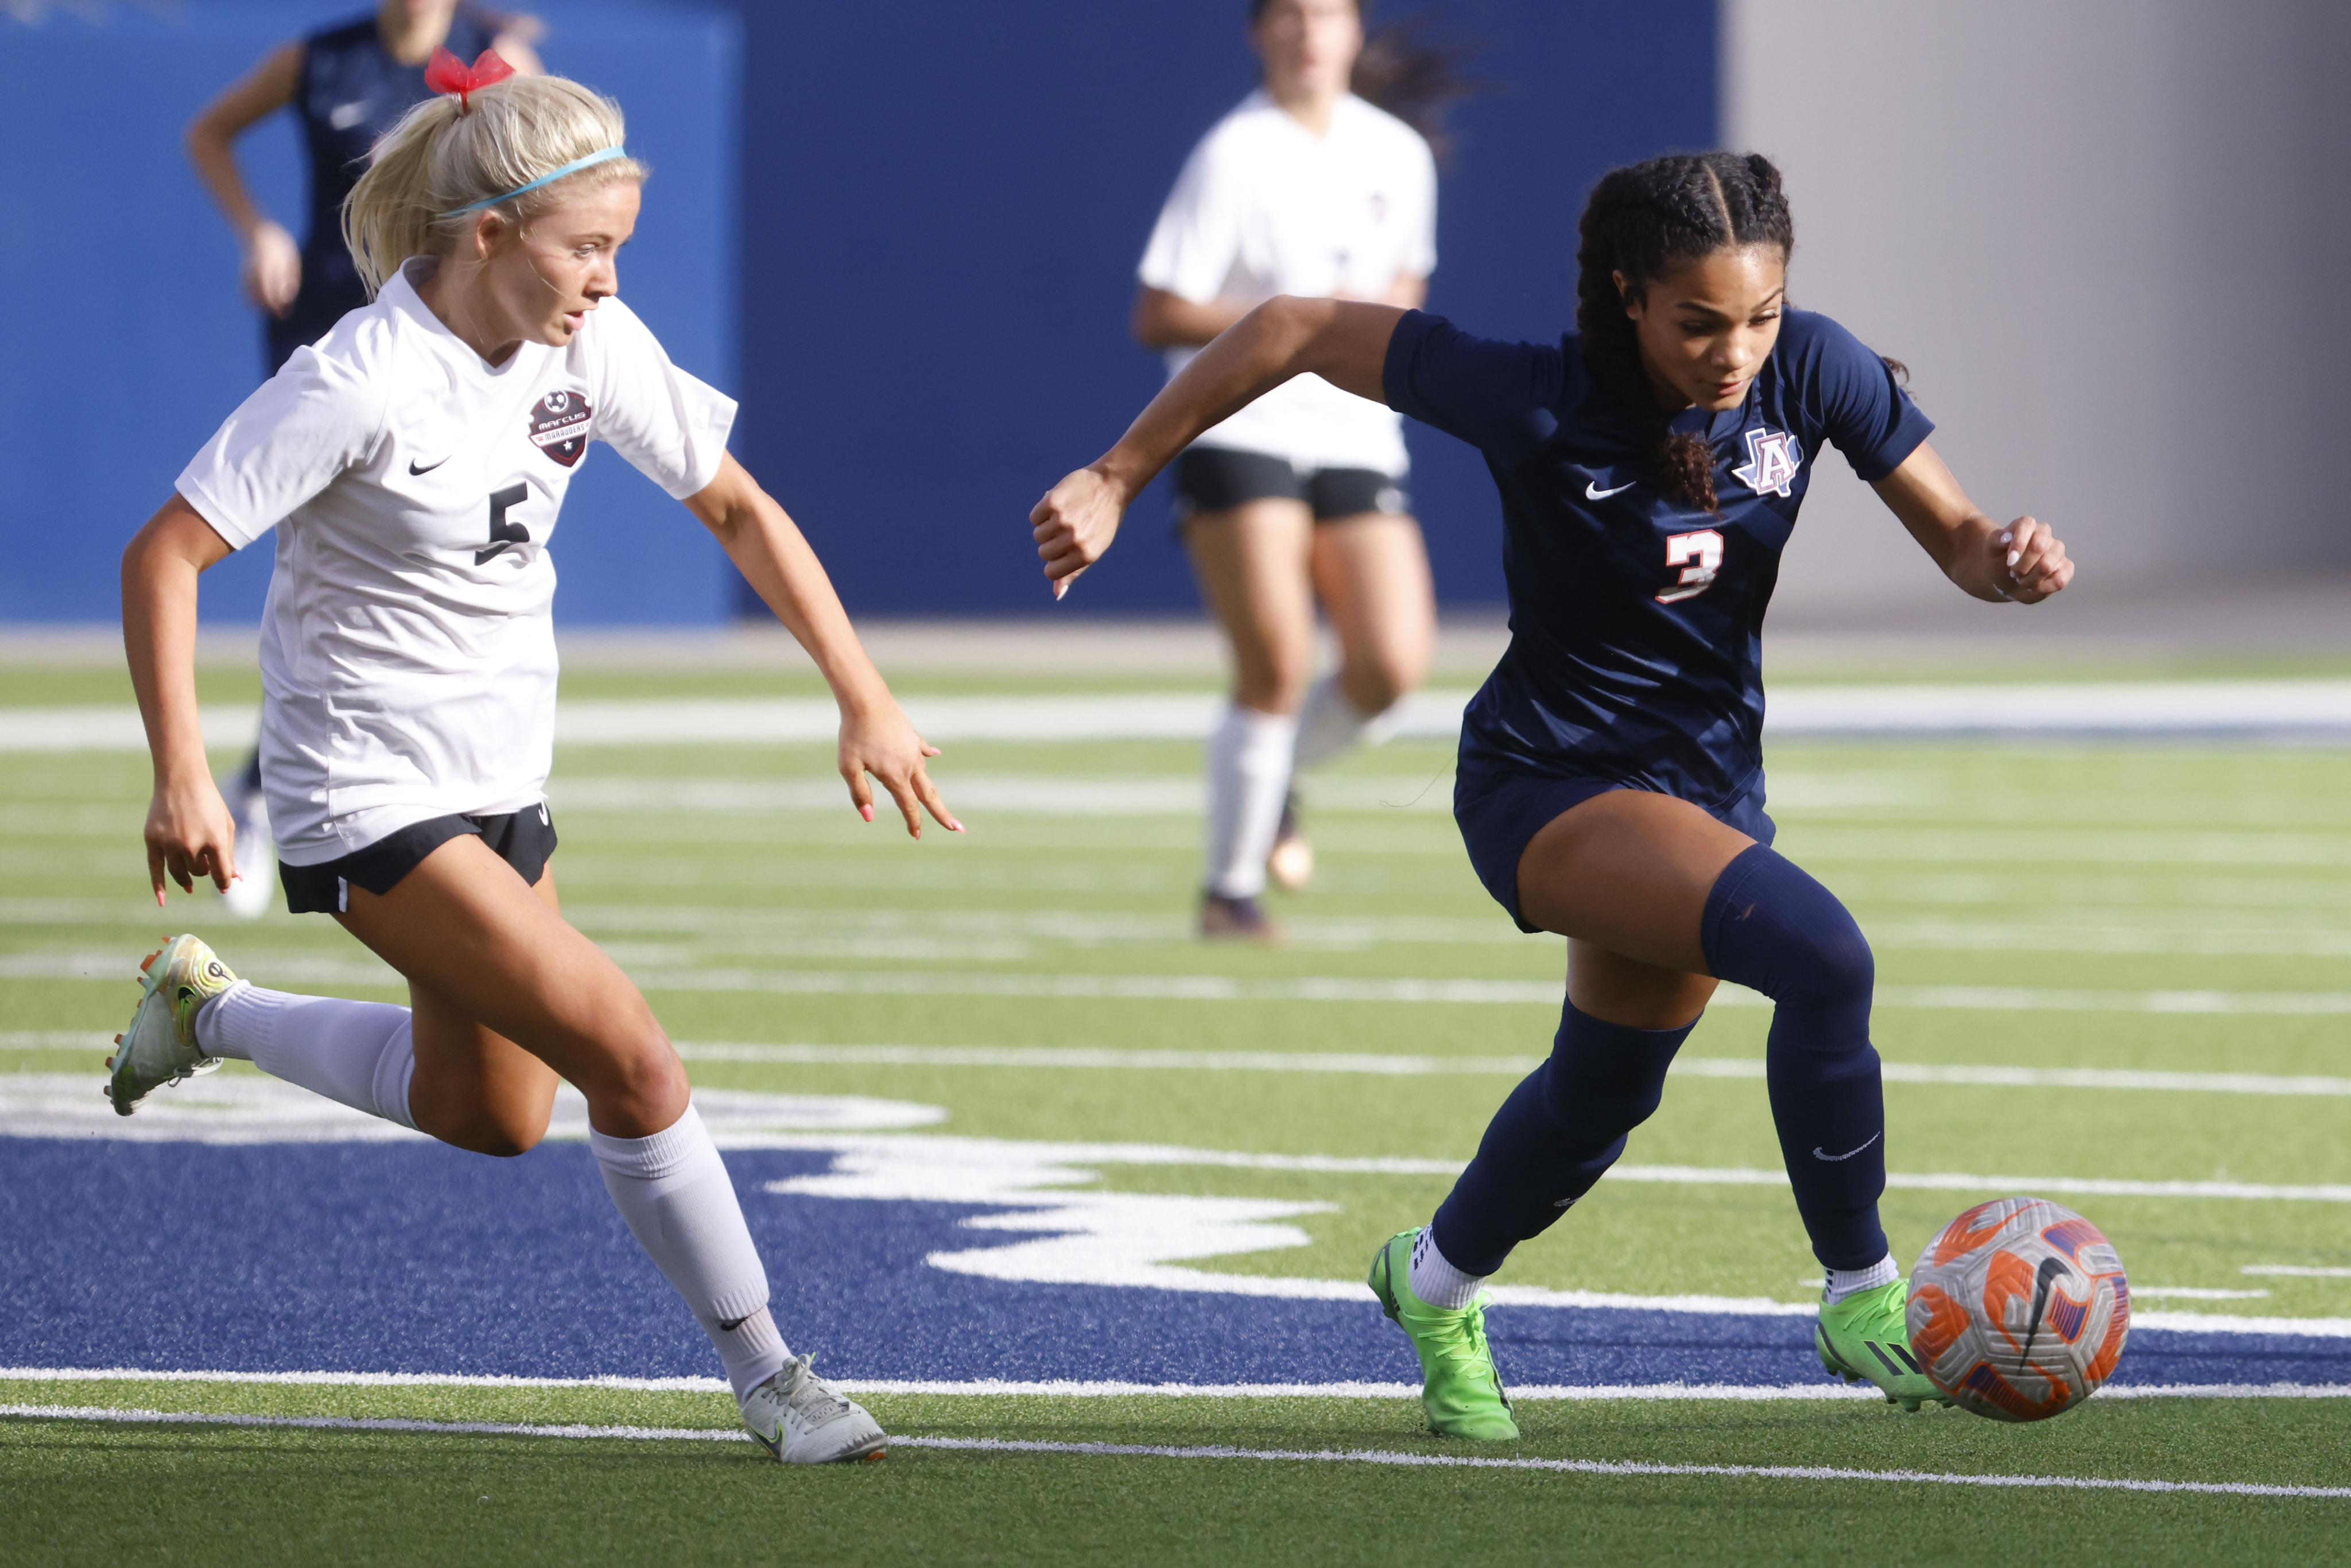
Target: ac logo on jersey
x,y
1772,459
559,426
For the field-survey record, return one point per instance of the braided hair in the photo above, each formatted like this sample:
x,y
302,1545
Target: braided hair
x,y
1643,221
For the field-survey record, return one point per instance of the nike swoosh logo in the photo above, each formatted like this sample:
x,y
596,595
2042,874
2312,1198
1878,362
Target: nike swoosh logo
x,y
428,468
1819,1154
1595,493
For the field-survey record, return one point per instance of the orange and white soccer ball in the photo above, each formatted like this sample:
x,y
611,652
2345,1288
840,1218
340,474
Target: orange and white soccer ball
x,y
2019,1309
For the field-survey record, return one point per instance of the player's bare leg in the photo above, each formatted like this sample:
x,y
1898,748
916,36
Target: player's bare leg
x,y
1253,565
1371,574
508,996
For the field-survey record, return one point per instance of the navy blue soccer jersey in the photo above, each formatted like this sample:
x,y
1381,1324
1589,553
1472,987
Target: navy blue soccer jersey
x,y
351,92
1636,650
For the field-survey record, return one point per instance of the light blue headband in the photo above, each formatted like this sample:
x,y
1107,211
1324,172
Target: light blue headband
x,y
605,156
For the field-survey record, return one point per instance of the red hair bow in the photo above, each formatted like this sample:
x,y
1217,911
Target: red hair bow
x,y
445,73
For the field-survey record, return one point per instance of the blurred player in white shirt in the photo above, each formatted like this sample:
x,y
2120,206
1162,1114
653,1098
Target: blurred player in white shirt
x,y
411,465
1304,189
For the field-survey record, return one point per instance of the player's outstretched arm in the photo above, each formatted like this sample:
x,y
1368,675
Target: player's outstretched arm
x,y
1343,341
190,832
2021,560
766,546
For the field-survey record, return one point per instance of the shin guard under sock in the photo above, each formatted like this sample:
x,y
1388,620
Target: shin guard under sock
x,y
360,1054
674,1191
1560,1130
1770,926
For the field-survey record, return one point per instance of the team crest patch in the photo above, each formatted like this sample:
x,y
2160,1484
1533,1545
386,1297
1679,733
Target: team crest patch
x,y
559,426
1772,459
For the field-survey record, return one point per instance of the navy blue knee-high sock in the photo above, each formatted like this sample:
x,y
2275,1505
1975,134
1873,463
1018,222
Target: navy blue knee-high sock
x,y
1771,926
1562,1128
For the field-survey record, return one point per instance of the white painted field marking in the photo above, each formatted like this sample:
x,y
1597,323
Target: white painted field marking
x,y
999,794
1066,1388
244,1109
1209,1452
2295,1270
2135,708
1380,1064
369,1424
364,970
1088,1237
1618,1467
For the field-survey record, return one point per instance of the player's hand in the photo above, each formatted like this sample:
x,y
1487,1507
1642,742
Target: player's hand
x,y
2029,562
1075,525
879,742
190,834
272,275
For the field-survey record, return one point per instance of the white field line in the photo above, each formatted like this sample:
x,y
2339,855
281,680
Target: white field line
x,y
2295,1270
1379,1065
1619,1468
1070,1388
2137,708
1211,1451
370,1424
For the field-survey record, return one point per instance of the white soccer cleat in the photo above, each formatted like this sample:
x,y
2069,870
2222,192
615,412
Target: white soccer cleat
x,y
802,1419
160,1046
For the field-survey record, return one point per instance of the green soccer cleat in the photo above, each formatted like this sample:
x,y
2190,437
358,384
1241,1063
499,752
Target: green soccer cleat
x,y
160,1046
1462,1392
1864,1338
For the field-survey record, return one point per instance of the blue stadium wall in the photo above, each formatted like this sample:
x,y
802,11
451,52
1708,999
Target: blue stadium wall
x,y
911,254
125,341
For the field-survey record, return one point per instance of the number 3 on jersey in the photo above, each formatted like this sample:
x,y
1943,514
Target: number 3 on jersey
x,y
504,533
1700,557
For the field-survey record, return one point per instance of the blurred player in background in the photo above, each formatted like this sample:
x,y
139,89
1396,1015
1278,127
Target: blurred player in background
x,y
349,84
1610,788
1321,182
413,465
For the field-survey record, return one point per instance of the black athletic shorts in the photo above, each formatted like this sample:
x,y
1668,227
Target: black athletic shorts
x,y
1211,480
522,839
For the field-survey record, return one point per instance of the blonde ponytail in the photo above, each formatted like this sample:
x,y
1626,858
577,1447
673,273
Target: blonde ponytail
x,y
449,153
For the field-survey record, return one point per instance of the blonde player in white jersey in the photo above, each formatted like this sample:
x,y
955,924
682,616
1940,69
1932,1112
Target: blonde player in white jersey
x,y
412,464
1304,189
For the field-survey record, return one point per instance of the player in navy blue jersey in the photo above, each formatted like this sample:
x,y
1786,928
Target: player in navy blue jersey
x,y
347,84
1610,789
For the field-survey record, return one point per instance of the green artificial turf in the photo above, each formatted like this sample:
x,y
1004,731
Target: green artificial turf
x,y
2109,874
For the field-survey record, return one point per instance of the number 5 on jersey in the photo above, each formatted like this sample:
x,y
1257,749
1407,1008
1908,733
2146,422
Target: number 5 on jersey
x,y
504,533
1699,555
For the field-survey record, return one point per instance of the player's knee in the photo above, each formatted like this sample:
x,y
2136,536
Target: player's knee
x,y
499,1135
1770,925
1840,967
1375,685
640,1080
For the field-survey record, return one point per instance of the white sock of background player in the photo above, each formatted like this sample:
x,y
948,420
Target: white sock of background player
x,y
672,1190
1248,778
1329,724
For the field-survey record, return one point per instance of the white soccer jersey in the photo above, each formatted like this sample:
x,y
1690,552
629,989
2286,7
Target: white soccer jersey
x,y
407,645
1263,207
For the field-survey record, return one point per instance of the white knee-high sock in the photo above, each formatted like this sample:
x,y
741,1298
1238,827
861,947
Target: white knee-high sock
x,y
1249,776
1329,724
674,1191
360,1054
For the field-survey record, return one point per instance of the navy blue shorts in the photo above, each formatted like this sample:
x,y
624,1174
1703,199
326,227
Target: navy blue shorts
x,y
1500,811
